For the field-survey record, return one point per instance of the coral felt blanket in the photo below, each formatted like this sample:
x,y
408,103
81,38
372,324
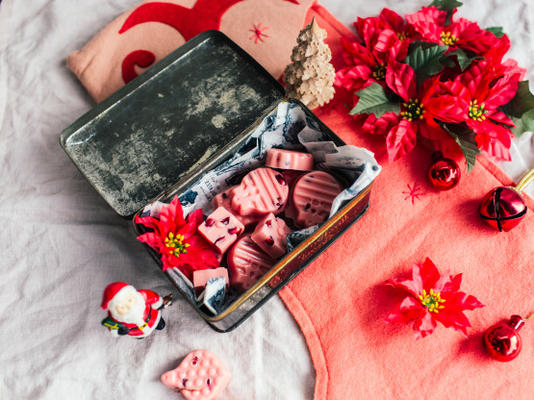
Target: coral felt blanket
x,y
340,304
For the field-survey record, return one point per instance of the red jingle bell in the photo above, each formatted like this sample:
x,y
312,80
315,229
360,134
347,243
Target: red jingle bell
x,y
502,341
503,208
443,173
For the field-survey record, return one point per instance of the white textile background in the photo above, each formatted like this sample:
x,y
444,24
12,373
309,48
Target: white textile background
x,y
62,244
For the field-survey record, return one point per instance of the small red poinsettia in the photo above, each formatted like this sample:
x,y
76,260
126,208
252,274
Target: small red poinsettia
x,y
479,92
432,298
177,239
384,38
419,111
431,23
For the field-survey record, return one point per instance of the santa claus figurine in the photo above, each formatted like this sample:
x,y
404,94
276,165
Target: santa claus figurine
x,y
132,312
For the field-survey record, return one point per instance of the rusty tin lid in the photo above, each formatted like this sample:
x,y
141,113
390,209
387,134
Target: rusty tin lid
x,y
159,127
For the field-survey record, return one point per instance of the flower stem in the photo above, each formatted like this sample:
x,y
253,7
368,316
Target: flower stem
x,y
530,316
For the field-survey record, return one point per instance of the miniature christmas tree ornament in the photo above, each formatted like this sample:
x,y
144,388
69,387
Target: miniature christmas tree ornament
x,y
503,208
444,173
502,341
310,78
133,312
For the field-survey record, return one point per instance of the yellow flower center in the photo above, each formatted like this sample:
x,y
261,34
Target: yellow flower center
x,y
432,301
379,73
477,111
402,35
448,38
176,241
413,110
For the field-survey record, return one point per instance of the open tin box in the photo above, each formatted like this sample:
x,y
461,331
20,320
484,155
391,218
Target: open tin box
x,y
188,115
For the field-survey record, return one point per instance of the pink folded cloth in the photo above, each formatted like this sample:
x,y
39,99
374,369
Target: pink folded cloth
x,y
140,37
340,302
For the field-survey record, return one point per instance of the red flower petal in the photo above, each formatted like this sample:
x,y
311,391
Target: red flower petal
x,y
392,19
425,326
427,272
408,310
401,79
429,22
492,138
401,139
152,239
382,125
501,118
148,222
353,78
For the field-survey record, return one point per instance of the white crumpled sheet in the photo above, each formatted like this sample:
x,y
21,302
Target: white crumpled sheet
x,y
62,244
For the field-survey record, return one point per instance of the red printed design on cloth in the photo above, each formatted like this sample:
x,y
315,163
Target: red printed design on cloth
x,y
205,15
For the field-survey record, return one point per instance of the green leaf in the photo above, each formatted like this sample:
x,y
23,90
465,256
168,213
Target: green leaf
x,y
522,102
524,124
447,5
373,100
426,61
496,30
464,59
465,138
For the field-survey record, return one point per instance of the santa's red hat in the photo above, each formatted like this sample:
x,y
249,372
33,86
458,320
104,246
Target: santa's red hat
x,y
110,292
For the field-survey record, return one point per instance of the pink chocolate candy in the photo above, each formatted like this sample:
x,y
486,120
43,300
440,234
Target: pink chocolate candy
x,y
287,159
202,276
312,197
270,236
200,376
261,191
224,199
221,229
247,263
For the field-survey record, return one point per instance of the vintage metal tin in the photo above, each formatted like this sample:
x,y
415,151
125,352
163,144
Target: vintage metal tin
x,y
104,144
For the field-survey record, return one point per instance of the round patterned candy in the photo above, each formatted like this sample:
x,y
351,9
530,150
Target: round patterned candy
x,y
313,196
247,263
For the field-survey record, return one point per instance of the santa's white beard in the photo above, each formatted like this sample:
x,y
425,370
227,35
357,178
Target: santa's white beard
x,y
134,315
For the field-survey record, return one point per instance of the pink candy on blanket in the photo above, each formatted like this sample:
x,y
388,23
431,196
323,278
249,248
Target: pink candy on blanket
x,y
270,236
287,159
247,263
221,229
261,191
312,197
200,376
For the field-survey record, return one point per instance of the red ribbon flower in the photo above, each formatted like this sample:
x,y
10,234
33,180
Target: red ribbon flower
x,y
432,298
177,239
431,23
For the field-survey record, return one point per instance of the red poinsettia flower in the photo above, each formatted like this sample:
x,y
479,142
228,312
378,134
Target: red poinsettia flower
x,y
430,22
177,239
419,111
479,92
384,38
432,298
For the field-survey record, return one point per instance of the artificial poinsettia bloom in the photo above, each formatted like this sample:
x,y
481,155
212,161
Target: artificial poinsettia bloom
x,y
177,239
432,298
419,110
480,91
384,38
431,23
